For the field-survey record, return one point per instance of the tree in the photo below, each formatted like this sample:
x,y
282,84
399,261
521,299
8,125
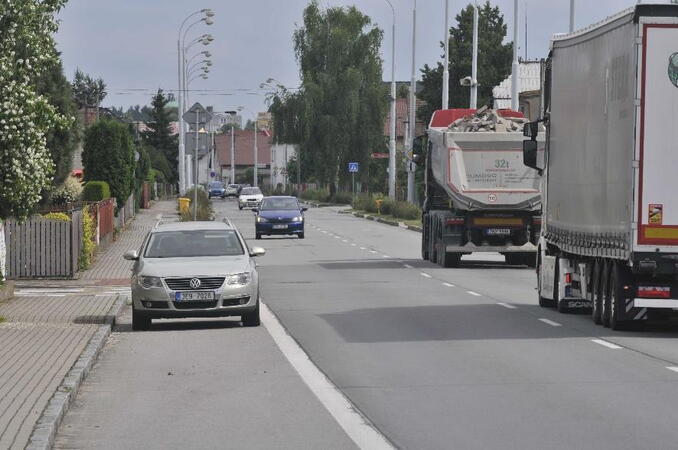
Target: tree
x,y
60,142
494,60
226,129
88,91
27,50
249,125
159,135
342,101
108,155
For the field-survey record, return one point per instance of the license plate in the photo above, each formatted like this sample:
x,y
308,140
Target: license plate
x,y
497,231
193,296
279,227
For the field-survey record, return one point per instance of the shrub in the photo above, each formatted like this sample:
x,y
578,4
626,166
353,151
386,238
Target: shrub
x,y
95,191
204,212
344,198
88,234
407,211
69,191
365,202
317,195
63,217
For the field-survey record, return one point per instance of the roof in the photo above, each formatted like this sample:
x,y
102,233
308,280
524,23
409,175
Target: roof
x,y
402,107
187,226
244,148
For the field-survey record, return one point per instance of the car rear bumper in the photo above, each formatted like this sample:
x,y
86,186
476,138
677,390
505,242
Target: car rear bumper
x,y
268,228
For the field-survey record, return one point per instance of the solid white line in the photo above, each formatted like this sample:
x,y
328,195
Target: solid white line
x,y
673,368
550,322
407,266
424,274
448,284
351,420
506,305
474,293
606,344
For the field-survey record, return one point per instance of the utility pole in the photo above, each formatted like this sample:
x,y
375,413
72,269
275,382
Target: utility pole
x,y
182,149
413,108
571,16
256,155
474,62
446,68
195,163
232,153
392,139
515,67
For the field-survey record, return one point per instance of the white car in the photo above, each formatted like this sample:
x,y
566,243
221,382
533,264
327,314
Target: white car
x,y
250,197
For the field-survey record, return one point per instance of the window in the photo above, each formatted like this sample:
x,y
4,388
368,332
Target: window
x,y
250,191
193,243
272,203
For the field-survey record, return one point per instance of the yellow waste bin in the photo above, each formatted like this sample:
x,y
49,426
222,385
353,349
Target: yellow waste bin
x,y
184,204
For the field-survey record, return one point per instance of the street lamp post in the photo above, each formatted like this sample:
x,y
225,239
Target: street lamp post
x,y
256,155
474,61
515,67
392,130
413,108
446,68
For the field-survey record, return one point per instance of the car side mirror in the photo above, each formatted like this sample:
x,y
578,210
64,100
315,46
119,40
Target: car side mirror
x,y
531,155
257,251
131,255
304,208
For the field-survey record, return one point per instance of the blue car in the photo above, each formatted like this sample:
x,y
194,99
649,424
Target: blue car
x,y
216,189
279,215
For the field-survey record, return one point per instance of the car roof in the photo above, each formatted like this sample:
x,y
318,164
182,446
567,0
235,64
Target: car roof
x,y
191,226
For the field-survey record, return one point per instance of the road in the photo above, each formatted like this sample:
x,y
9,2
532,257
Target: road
x,y
435,358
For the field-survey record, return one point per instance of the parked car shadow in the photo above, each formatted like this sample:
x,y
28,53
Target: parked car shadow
x,y
183,325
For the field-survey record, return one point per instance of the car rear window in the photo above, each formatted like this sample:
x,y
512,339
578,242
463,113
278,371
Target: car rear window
x,y
216,185
250,191
193,243
276,204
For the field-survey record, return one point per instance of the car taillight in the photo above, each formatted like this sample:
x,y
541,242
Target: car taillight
x,y
654,292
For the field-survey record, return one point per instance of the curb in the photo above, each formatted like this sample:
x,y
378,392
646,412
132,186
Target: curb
x,y
42,436
392,223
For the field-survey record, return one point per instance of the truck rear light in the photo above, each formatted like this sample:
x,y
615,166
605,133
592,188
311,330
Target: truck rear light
x,y
536,220
455,221
568,278
654,292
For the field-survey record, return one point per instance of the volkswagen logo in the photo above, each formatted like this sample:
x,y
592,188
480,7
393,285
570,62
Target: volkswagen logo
x,y
195,283
673,69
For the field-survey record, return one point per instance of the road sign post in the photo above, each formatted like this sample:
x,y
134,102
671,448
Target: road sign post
x,y
353,167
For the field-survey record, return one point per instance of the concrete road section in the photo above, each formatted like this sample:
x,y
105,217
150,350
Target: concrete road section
x,y
461,358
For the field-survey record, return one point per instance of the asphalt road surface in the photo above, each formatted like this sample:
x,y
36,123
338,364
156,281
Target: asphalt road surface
x,y
435,358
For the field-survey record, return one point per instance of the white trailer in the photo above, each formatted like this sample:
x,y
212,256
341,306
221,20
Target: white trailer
x,y
609,240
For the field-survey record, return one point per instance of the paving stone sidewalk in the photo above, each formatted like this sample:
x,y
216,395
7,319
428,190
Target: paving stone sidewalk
x,y
48,324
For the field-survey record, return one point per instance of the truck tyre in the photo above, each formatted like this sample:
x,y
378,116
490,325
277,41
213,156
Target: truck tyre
x,y
425,236
605,289
597,293
617,303
530,260
450,259
512,259
543,301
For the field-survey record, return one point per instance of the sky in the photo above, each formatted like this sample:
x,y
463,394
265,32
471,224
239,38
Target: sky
x,y
132,44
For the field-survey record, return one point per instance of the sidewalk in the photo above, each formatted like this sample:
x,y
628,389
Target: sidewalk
x,y
47,334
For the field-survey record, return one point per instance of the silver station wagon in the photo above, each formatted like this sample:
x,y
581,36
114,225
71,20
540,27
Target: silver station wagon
x,y
194,269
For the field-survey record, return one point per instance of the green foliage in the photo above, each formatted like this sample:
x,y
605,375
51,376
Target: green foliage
x,y
143,168
95,191
88,91
27,51
61,142
389,207
63,217
69,191
108,155
88,236
316,195
205,211
494,60
159,136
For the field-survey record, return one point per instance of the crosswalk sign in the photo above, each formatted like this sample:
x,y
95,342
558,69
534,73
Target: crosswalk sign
x,y
353,167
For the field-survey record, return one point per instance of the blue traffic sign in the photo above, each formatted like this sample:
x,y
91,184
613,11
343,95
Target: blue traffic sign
x,y
353,167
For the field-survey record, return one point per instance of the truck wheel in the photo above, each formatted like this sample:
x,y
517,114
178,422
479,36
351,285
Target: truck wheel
x,y
425,236
605,289
512,259
617,303
530,260
451,259
597,294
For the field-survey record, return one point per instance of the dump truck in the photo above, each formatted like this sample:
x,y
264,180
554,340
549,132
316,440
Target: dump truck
x,y
479,197
609,242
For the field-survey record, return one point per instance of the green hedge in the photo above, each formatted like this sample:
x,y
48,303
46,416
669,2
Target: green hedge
x,y
95,191
389,207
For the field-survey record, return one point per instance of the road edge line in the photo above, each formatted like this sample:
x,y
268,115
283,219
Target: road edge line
x,y
354,423
45,429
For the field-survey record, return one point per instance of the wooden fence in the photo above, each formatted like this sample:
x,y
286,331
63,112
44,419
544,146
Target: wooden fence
x,y
43,247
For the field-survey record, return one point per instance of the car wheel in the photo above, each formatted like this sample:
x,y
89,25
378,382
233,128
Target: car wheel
x,y
140,321
257,236
301,235
251,319
240,207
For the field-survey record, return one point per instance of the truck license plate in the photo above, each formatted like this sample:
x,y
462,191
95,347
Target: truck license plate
x,y
279,227
498,231
189,296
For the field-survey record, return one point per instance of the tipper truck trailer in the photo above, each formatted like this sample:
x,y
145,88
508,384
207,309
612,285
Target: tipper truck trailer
x,y
480,197
609,239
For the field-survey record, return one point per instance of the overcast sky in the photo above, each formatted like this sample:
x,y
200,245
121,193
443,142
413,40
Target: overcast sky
x,y
132,44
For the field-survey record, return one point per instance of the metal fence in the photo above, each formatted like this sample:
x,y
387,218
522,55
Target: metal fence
x,y
43,247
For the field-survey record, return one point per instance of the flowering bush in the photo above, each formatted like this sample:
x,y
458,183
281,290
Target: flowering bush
x,y
26,50
88,236
63,217
70,191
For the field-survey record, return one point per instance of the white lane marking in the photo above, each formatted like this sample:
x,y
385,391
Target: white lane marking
x,y
373,251
363,248
344,240
354,244
506,305
550,322
352,421
324,232
424,274
407,266
474,293
606,344
385,256
337,237
448,284
673,368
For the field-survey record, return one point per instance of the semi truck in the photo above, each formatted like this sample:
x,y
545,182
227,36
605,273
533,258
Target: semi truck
x,y
609,238
479,196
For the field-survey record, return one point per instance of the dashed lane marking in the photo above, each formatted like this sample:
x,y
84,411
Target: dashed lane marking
x,y
407,266
673,368
424,274
448,285
506,305
373,251
353,245
604,343
352,421
363,248
550,322
344,241
474,293
385,256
